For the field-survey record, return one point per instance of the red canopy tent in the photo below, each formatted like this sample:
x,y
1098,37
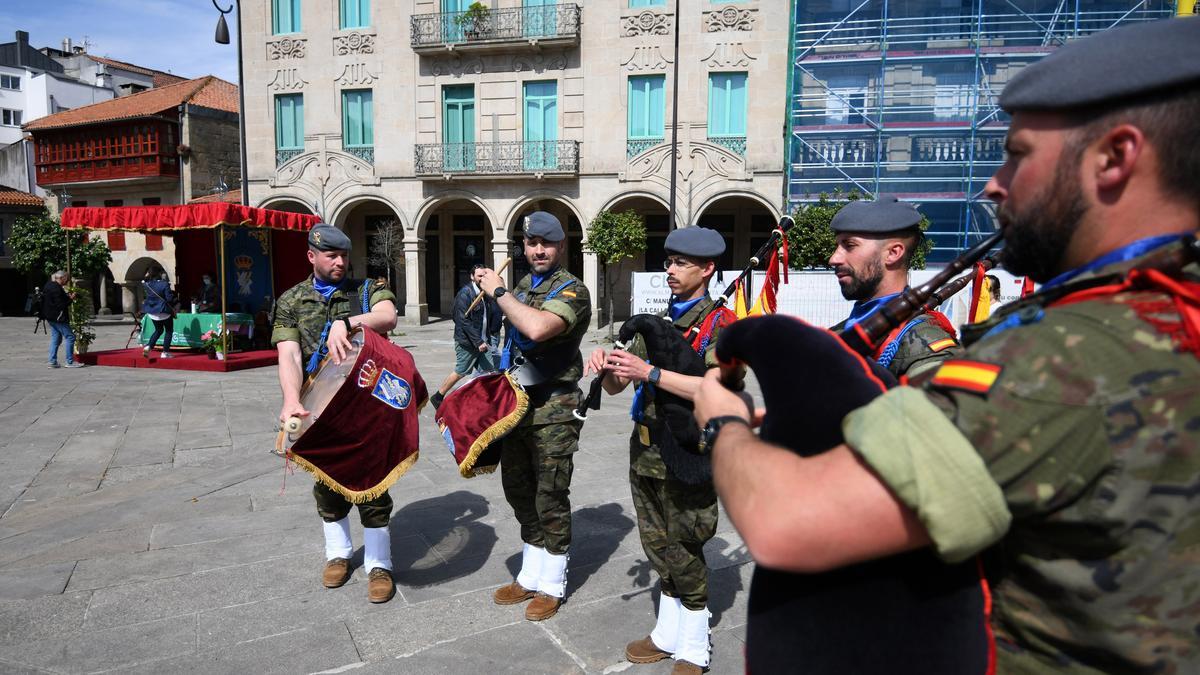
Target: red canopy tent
x,y
195,226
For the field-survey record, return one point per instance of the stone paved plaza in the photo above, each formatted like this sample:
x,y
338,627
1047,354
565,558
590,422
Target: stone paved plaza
x,y
145,527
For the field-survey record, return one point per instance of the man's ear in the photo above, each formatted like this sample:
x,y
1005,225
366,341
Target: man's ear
x,y
894,252
1115,154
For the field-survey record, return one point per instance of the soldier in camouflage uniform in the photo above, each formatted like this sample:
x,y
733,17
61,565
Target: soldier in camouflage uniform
x,y
675,519
875,244
548,313
313,318
1069,434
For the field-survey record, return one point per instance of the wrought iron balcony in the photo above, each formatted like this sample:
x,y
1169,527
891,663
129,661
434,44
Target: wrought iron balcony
x,y
636,146
283,155
516,158
735,144
496,27
364,152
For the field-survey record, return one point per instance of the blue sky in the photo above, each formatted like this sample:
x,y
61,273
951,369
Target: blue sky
x,y
170,35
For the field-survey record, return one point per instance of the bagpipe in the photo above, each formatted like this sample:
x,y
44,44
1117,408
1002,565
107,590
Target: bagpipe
x,y
361,433
675,434
909,613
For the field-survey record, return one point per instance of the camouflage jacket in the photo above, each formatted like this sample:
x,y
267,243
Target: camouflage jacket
x,y
574,305
301,312
644,457
1086,416
921,348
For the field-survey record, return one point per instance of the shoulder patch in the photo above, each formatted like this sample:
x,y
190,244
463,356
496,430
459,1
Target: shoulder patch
x,y
939,345
569,294
973,376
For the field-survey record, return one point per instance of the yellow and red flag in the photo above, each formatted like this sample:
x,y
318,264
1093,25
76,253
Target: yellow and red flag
x,y
981,296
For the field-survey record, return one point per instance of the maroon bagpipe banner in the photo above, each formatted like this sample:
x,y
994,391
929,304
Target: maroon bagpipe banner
x,y
475,416
368,435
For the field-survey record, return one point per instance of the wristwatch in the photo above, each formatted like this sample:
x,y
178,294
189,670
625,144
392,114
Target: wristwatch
x,y
655,374
708,435
349,328
499,292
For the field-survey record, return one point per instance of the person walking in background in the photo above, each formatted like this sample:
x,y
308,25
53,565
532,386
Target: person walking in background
x,y
159,306
475,335
56,305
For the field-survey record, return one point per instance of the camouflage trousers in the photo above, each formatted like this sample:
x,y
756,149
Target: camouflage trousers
x,y
333,507
535,468
674,522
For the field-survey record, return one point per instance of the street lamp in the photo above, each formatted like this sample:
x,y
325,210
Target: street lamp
x,y
222,37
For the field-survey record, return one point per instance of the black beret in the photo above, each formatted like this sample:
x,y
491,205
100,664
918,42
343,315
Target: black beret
x,y
325,237
1111,65
885,214
544,225
696,242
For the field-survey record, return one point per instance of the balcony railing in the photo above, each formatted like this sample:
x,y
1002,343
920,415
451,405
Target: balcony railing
x,y
282,156
636,146
505,24
948,150
502,158
735,144
364,152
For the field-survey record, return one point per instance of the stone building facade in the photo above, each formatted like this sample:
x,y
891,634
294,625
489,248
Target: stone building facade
x,y
457,126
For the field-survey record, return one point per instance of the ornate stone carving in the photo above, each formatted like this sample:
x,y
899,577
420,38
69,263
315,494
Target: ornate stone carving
x,y
355,74
646,23
646,58
456,65
286,48
324,172
700,165
729,18
287,79
539,62
728,55
354,43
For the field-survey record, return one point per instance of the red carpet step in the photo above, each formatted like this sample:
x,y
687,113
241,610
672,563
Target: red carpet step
x,y
183,360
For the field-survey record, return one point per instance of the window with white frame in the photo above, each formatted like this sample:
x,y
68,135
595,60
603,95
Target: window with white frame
x,y
12,82
846,99
954,96
10,118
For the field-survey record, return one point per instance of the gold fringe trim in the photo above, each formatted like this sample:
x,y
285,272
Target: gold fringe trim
x,y
495,432
357,496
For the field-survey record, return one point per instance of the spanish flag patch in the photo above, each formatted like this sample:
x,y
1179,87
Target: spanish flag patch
x,y
972,376
569,294
939,345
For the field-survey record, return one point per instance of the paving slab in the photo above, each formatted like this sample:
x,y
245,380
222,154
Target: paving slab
x,y
326,648
118,648
33,582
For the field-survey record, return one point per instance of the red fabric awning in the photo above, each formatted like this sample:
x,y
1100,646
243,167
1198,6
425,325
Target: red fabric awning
x,y
183,217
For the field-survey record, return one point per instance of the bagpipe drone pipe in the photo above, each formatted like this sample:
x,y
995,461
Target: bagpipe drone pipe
x,y
908,613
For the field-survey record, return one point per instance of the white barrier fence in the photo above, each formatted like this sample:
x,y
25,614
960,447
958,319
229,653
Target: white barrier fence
x,y
812,295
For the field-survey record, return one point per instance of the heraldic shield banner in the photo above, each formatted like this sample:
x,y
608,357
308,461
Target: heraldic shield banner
x,y
368,435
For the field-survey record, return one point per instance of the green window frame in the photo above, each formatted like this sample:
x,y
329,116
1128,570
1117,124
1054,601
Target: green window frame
x,y
289,122
647,3
285,17
727,104
541,124
354,13
647,106
358,119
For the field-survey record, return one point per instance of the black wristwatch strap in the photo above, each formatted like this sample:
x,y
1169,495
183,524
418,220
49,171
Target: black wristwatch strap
x,y
499,292
349,328
655,375
708,437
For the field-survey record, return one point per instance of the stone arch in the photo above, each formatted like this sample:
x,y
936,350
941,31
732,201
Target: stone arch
x,y
562,208
435,202
744,218
286,202
749,194
452,231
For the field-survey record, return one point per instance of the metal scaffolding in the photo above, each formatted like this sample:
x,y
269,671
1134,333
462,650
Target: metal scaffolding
x,y
895,96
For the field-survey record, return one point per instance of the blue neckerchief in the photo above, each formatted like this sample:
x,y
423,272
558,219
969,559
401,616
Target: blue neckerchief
x,y
324,288
514,336
862,309
536,279
1128,252
677,309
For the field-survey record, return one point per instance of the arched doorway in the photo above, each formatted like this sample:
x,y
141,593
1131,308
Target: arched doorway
x,y
377,236
658,225
458,236
745,223
131,285
571,225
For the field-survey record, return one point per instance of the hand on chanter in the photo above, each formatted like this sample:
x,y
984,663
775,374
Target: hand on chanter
x,y
595,362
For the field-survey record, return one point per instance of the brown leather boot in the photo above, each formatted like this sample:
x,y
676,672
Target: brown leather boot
x,y
511,594
380,587
543,607
644,651
337,572
686,668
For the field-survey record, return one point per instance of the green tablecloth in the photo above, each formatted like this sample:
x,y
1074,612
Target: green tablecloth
x,y
189,328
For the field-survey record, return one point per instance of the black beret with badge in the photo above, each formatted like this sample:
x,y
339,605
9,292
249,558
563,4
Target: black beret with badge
x,y
696,242
885,214
1120,63
544,225
325,237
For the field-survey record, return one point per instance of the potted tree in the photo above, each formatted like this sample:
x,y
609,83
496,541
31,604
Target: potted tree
x,y
80,319
473,21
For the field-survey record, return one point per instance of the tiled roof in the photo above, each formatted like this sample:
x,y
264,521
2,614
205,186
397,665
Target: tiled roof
x,y
167,78
231,197
208,91
14,197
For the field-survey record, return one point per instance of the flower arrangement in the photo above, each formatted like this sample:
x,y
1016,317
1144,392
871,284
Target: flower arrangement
x,y
213,344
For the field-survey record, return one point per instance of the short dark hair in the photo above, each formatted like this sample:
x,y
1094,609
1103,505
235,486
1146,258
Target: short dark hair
x,y
477,266
1171,122
912,238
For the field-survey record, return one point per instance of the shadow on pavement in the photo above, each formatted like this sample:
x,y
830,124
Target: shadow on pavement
x,y
460,546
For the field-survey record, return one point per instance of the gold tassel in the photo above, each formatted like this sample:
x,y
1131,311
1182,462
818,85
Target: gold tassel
x,y
357,496
495,432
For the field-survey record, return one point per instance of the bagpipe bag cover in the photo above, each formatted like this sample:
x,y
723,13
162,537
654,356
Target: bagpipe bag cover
x,y
908,613
368,435
475,416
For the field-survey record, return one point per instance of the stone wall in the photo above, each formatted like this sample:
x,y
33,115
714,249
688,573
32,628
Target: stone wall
x,y
212,137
